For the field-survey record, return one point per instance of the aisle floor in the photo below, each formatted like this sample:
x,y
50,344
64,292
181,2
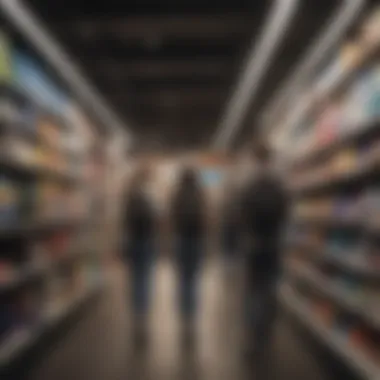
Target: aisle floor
x,y
99,346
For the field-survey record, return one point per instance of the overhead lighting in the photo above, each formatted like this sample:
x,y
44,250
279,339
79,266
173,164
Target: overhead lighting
x,y
258,61
329,37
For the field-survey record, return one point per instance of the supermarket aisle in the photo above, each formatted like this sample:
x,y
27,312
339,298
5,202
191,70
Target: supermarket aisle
x,y
98,347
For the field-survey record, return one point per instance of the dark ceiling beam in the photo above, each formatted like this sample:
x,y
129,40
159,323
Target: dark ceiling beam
x,y
64,9
146,84
204,110
161,108
177,119
150,27
162,68
168,96
116,49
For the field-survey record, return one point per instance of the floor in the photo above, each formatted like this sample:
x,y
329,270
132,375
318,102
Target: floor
x,y
99,345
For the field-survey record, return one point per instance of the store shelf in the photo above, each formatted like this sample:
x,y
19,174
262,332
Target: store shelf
x,y
345,76
339,180
352,358
366,130
359,223
34,271
343,260
14,230
47,150
22,168
22,277
342,298
320,92
334,178
356,266
20,228
55,224
20,94
22,340
329,221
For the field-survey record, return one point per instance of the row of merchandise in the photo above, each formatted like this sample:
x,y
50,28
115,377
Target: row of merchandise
x,y
350,57
40,280
351,113
351,339
47,267
335,114
29,311
345,249
38,141
25,201
360,207
354,293
347,164
21,261
332,282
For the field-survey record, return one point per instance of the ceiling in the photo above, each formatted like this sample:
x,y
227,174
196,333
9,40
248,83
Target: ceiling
x,y
168,67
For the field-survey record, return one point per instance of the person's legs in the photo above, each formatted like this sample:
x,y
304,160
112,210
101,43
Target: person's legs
x,y
188,298
188,263
141,275
261,311
141,268
266,302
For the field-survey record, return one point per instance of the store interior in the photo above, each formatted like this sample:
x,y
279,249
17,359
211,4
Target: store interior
x,y
90,91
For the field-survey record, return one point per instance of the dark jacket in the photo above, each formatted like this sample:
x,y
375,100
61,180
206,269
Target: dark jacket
x,y
138,215
264,207
188,207
230,215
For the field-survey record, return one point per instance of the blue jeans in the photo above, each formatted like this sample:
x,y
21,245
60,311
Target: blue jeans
x,y
230,242
140,257
188,261
261,305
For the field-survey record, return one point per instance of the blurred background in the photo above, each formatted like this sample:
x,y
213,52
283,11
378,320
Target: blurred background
x,y
91,92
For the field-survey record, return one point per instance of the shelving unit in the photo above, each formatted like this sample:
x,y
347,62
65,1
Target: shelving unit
x,y
50,192
358,362
332,282
21,340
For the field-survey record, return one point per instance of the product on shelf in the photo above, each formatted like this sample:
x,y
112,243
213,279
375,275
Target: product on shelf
x,y
8,272
46,264
371,207
9,201
337,208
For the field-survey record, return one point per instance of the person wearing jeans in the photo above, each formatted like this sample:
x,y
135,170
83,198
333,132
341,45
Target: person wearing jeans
x,y
264,209
141,262
188,262
188,217
229,223
139,249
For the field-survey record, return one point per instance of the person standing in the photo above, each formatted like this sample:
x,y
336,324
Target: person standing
x,y
264,206
188,217
229,224
139,231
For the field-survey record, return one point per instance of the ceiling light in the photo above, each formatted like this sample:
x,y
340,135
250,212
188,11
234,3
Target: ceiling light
x,y
258,61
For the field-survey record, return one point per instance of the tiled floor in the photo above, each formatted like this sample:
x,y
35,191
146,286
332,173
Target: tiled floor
x,y
99,346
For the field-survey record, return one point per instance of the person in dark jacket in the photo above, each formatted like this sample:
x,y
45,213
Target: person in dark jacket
x,y
229,225
139,223
188,217
264,207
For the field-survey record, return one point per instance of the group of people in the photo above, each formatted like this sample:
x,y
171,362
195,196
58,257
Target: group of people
x,y
255,215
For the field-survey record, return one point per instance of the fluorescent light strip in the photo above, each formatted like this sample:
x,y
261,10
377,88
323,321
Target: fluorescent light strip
x,y
28,24
330,36
257,63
